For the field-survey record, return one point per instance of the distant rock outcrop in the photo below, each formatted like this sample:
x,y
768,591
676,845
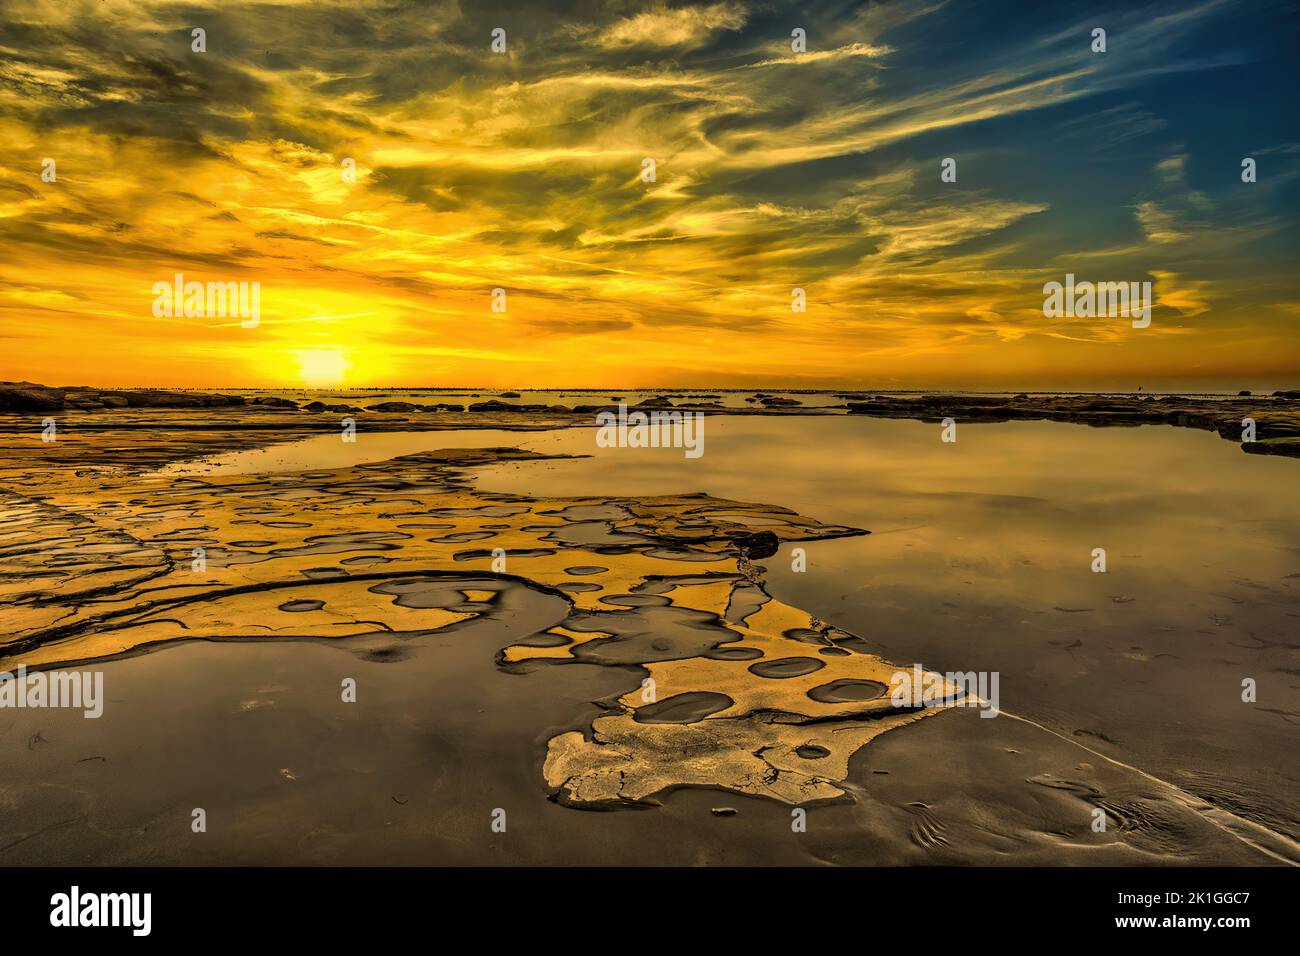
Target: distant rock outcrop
x,y
1276,422
492,405
274,401
29,397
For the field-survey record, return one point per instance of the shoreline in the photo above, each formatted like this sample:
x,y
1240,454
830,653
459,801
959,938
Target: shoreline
x,y
249,422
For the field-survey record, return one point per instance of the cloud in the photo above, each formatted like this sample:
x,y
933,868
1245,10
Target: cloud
x,y
684,26
522,171
1189,297
1159,224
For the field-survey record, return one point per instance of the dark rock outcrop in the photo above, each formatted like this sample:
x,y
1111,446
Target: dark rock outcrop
x,y
27,396
1277,427
274,401
492,405
754,544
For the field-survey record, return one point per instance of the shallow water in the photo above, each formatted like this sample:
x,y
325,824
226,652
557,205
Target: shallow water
x,y
330,451
981,559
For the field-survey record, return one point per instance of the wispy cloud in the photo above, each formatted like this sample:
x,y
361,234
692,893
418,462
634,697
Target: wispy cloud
x,y
524,171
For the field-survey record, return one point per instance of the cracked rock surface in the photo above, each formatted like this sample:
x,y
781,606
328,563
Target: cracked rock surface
x,y
113,557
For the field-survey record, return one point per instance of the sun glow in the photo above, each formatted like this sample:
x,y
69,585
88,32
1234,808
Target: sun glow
x,y
377,208
321,368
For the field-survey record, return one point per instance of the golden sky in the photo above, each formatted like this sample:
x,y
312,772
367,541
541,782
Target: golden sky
x,y
522,171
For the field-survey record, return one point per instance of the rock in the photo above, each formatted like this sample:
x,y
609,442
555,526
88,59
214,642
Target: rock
x,y
1280,424
155,398
755,544
658,401
1289,447
274,401
314,407
393,407
492,405
723,811
27,396
510,395
774,402
1243,392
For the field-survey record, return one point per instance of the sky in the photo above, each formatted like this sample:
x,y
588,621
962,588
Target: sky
x,y
378,170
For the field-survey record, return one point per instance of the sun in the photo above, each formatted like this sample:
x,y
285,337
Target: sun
x,y
321,368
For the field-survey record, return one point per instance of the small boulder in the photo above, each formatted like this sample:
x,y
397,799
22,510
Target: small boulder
x,y
274,401
755,544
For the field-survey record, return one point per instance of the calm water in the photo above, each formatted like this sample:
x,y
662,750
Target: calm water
x,y
980,558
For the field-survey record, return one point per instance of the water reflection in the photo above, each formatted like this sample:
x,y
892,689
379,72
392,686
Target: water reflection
x,y
981,559
981,556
